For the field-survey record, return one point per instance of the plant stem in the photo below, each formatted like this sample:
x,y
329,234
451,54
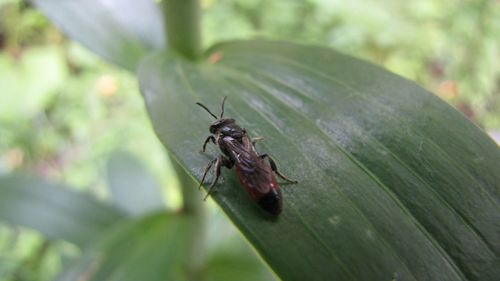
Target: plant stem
x,y
192,206
182,25
182,22
192,202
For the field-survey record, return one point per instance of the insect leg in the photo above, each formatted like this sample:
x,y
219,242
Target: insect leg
x,y
219,162
256,139
207,168
210,138
275,168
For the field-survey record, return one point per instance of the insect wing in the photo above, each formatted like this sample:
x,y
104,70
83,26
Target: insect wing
x,y
254,173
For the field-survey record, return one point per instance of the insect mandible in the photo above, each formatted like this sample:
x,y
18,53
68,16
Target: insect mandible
x,y
256,174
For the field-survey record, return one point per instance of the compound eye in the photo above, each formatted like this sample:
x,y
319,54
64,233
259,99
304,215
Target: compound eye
x,y
212,129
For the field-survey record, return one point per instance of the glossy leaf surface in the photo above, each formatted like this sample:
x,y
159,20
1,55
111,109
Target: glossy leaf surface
x,y
393,182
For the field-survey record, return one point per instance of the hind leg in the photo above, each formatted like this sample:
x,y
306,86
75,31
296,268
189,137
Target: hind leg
x,y
275,168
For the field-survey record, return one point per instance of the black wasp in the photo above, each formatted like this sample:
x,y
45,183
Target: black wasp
x,y
255,174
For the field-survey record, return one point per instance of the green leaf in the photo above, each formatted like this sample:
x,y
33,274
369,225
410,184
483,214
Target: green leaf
x,y
150,248
230,259
393,182
133,188
55,210
119,31
236,264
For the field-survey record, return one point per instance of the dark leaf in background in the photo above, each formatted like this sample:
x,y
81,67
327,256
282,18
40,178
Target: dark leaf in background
x,y
393,182
54,210
133,188
150,248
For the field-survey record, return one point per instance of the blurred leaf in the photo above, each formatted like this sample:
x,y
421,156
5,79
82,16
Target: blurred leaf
x,y
133,187
393,183
233,260
229,256
56,211
119,31
227,266
150,248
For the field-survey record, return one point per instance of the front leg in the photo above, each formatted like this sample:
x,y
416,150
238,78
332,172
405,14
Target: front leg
x,y
219,162
207,168
209,138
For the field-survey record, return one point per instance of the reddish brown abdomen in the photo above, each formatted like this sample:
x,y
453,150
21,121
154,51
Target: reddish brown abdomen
x,y
266,192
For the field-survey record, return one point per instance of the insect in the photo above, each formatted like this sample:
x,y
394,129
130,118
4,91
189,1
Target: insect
x,y
256,174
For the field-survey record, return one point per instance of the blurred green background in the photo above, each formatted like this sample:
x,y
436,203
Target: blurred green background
x,y
64,111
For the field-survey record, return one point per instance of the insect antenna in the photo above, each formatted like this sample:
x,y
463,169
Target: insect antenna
x,y
223,101
208,110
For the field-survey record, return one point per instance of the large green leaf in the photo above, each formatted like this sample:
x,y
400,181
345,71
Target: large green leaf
x,y
393,183
56,211
119,31
150,248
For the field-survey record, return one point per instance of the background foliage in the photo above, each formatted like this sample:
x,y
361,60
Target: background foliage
x,y
64,112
